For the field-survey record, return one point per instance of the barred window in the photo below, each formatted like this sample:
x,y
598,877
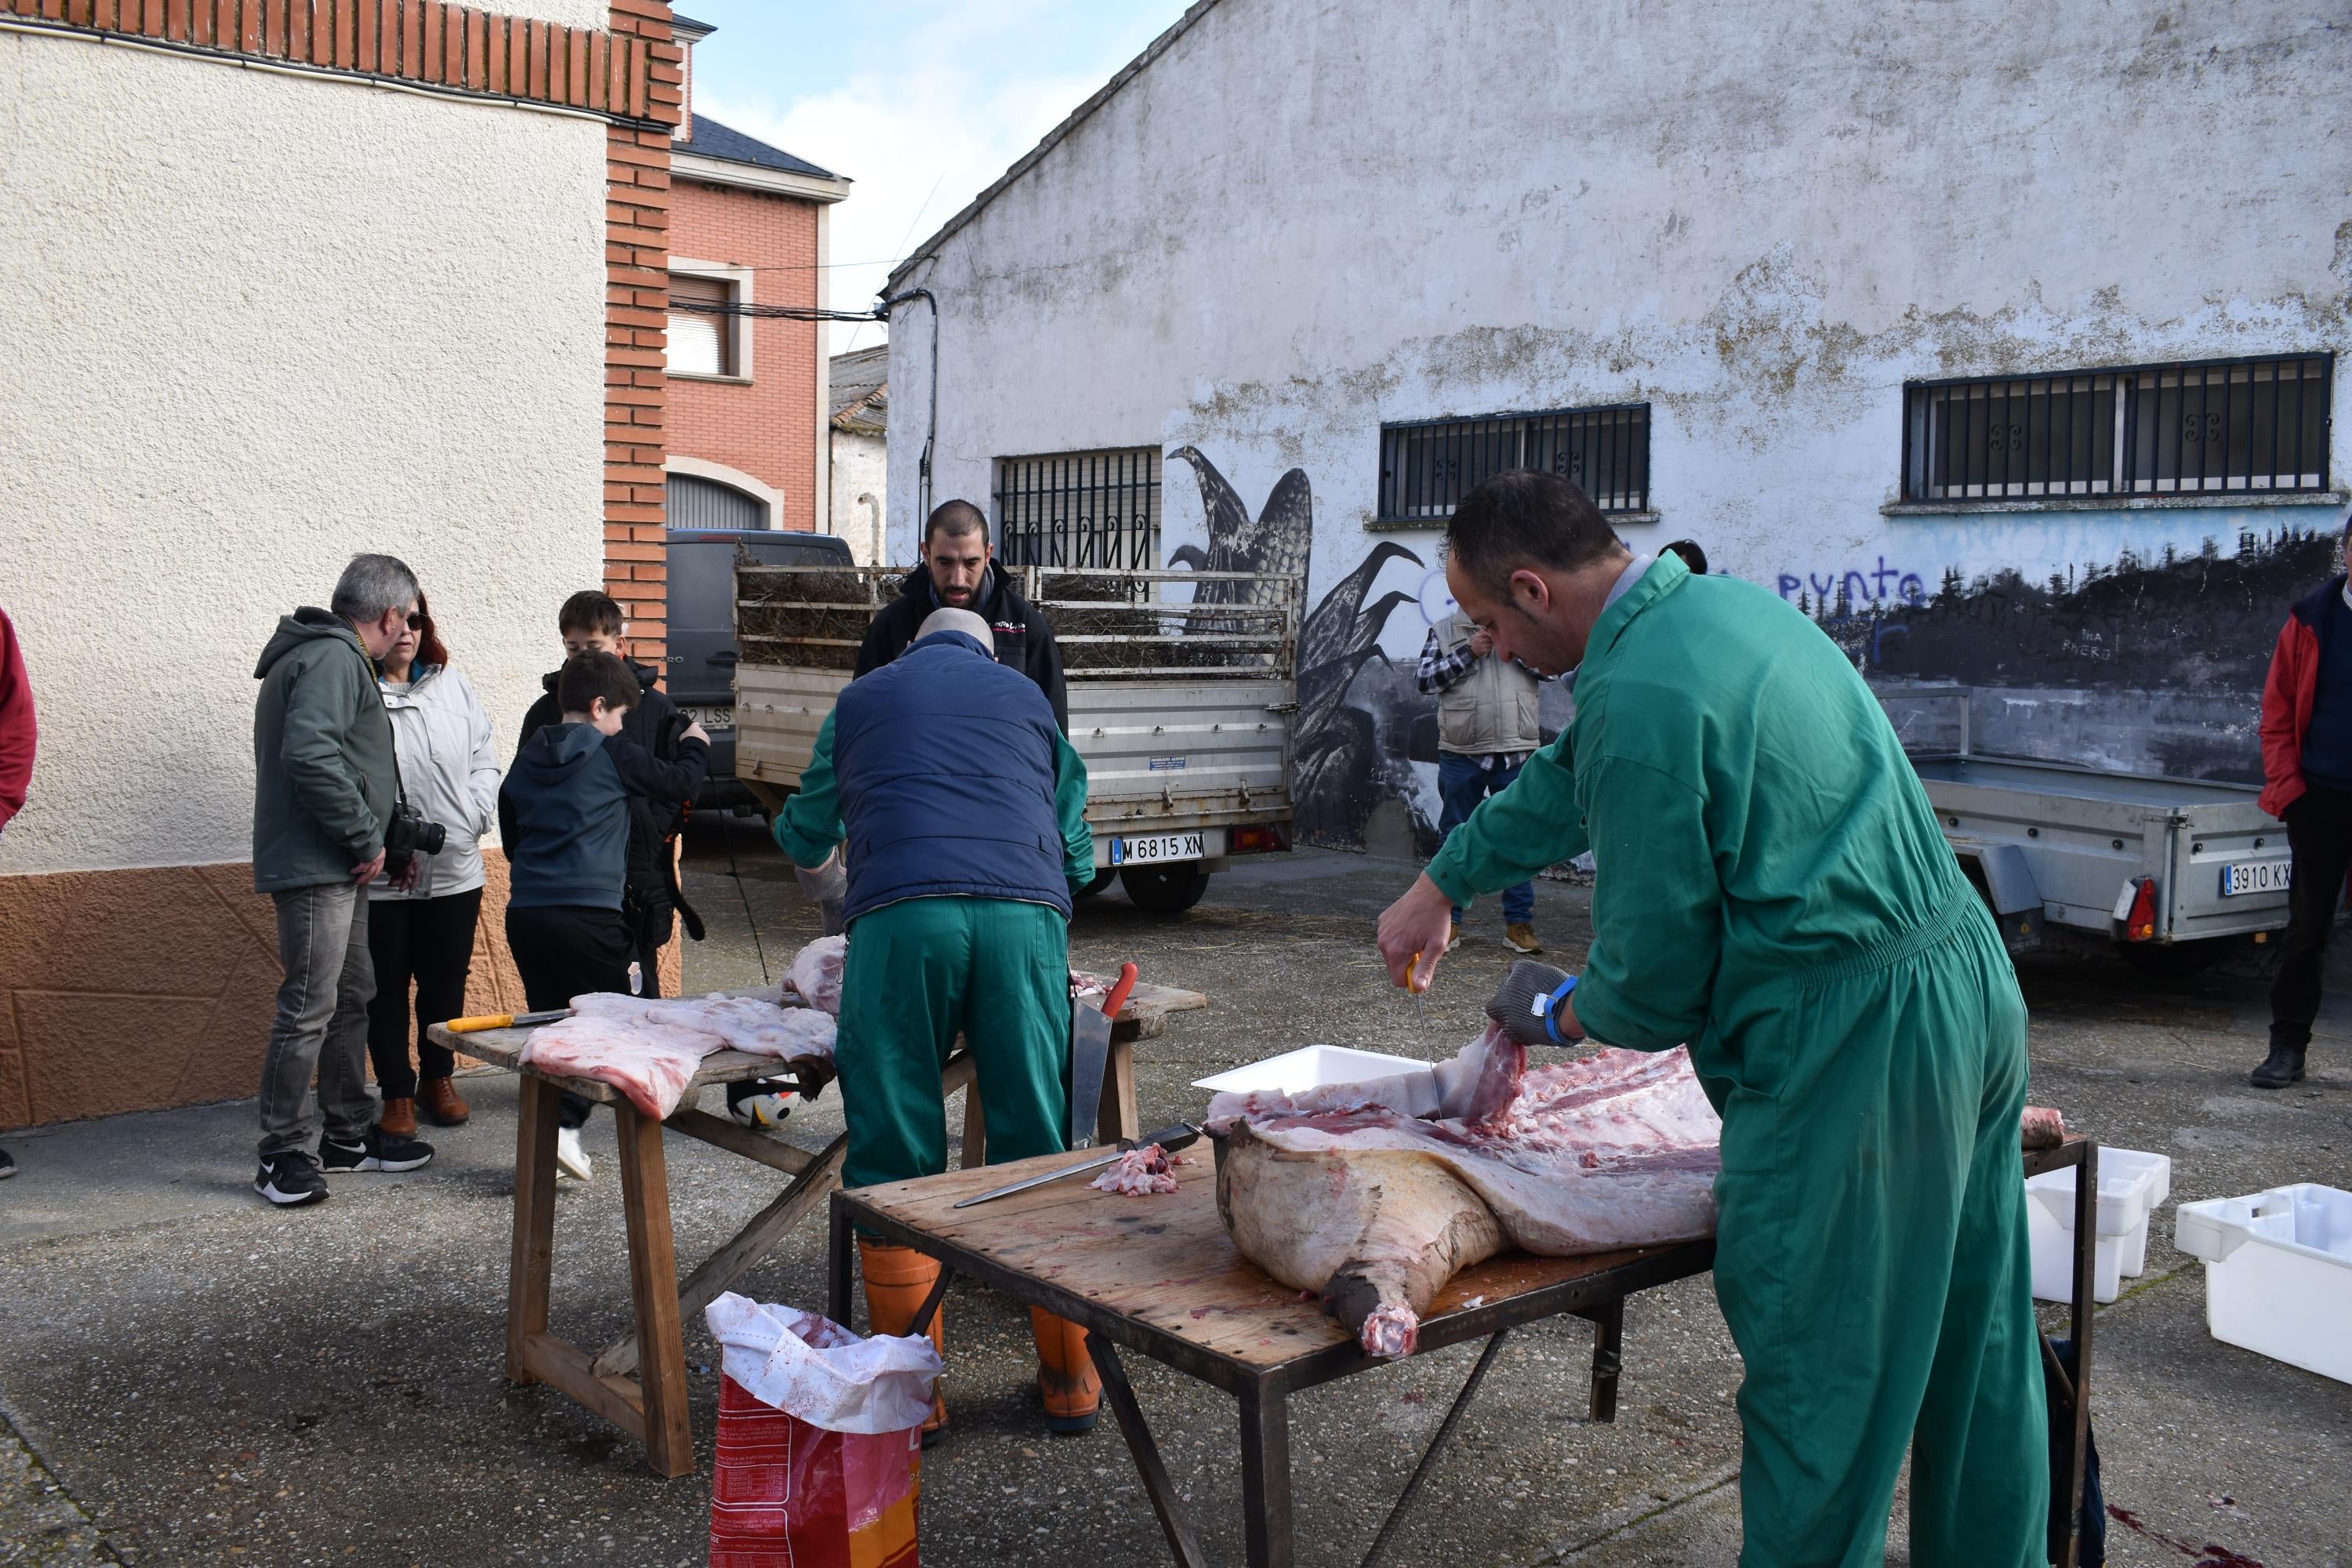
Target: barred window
x,y
2243,426
1426,468
1080,509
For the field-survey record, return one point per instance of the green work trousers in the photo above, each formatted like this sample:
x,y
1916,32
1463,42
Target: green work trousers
x,y
919,973
1872,1260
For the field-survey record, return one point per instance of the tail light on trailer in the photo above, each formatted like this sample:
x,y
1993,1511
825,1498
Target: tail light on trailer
x,y
2139,923
1254,841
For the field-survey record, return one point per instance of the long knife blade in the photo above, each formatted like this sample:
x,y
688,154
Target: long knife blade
x,y
1089,1055
1178,1136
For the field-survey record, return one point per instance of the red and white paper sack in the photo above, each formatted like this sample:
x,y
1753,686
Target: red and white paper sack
x,y
819,1461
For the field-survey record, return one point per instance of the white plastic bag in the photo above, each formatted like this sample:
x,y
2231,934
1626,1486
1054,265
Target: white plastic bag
x,y
812,1367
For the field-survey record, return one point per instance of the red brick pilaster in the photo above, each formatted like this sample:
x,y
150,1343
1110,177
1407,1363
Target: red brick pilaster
x,y
637,313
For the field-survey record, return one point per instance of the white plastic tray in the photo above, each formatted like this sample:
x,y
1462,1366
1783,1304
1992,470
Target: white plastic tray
x,y
2278,1273
1311,1066
2132,1186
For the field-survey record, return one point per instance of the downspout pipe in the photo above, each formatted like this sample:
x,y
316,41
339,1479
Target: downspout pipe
x,y
932,424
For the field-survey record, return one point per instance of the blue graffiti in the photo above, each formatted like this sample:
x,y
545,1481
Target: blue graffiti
x,y
1867,586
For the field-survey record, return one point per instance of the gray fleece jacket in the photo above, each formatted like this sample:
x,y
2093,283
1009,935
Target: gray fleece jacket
x,y
323,780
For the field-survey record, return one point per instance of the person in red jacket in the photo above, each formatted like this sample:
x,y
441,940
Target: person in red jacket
x,y
15,751
2307,782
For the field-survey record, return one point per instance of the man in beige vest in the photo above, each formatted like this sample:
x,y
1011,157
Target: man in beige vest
x,y
1486,727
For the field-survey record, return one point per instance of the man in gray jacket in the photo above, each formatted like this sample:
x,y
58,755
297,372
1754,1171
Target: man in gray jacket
x,y
1487,728
324,785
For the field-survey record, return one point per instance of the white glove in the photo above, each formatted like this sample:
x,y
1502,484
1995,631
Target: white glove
x,y
826,887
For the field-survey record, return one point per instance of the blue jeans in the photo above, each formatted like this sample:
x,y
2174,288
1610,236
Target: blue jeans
x,y
1461,783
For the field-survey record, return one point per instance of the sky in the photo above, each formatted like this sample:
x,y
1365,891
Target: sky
x,y
923,103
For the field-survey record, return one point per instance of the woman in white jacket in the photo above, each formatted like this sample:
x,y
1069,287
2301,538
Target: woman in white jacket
x,y
424,932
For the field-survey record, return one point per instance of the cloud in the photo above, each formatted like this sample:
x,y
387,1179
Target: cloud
x,y
956,109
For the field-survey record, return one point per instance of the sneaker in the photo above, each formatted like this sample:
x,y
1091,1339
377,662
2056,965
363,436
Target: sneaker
x,y
2283,1067
290,1179
570,1157
1453,936
379,1151
1521,938
758,1104
7,1165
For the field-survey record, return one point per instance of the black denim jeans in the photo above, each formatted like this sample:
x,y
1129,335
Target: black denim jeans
x,y
2319,841
562,951
431,942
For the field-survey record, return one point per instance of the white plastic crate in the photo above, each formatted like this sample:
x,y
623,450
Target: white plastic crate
x,y
2278,1273
2132,1186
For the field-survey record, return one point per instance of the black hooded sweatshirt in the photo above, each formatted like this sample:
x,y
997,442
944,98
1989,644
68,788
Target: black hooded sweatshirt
x,y
1024,636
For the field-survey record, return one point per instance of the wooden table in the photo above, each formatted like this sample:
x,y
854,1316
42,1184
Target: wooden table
x,y
1159,1276
639,1381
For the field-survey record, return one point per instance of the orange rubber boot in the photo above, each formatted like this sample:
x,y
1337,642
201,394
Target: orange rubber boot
x,y
1065,1373
897,1279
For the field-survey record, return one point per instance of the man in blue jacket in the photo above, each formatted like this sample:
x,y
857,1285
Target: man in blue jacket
x,y
964,811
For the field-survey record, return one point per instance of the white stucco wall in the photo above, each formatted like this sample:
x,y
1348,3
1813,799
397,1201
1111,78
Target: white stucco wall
x,y
255,323
860,492
1303,222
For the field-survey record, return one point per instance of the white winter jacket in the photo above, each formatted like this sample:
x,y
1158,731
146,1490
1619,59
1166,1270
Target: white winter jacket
x,y
451,773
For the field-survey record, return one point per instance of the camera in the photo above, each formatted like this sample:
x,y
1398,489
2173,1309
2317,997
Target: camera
x,y
407,835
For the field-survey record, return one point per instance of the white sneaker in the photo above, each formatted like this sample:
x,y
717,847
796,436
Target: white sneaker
x,y
570,1158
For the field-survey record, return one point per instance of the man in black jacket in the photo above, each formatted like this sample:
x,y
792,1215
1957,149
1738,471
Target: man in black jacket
x,y
591,623
958,572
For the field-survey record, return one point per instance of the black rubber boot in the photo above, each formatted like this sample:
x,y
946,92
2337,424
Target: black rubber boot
x,y
2283,1067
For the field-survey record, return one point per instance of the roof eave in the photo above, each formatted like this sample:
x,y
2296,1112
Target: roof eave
x,y
685,165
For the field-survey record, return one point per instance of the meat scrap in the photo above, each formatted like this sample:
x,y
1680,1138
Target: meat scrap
x,y
651,1067
815,973
1139,1173
2041,1128
1375,1208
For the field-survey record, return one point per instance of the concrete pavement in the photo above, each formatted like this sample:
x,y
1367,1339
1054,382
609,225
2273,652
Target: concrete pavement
x,y
189,1377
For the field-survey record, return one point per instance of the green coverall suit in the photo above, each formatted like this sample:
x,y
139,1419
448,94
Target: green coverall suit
x,y
922,971
1773,891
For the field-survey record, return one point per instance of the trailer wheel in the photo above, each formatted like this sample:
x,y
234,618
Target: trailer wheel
x,y
1103,879
2175,958
1165,890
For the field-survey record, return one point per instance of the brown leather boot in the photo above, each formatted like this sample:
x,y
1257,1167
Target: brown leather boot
x,y
399,1118
898,1281
437,1098
1065,1373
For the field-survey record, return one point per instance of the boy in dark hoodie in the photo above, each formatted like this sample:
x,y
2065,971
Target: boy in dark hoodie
x,y
591,622
564,816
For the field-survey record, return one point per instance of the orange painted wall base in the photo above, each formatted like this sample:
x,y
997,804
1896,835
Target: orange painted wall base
x,y
145,989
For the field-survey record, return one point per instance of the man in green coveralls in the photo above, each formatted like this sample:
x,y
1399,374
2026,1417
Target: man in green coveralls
x,y
1772,889
964,811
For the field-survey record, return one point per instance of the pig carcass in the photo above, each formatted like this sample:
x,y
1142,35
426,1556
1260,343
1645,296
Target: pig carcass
x,y
1355,1193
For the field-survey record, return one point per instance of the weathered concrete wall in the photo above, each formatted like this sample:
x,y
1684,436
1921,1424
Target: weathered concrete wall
x,y
861,475
339,320
1298,223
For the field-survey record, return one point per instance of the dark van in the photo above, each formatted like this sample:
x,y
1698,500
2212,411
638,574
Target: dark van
x,y
702,654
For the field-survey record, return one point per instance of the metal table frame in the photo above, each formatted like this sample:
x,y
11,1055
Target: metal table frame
x,y
2082,1155
1264,1393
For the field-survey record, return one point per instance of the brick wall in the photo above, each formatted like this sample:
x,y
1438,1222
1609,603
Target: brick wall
x,y
768,429
636,267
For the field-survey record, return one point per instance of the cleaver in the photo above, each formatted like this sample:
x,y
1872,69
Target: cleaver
x,y
1089,1052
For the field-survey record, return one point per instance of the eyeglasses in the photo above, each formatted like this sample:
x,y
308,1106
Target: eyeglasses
x,y
416,620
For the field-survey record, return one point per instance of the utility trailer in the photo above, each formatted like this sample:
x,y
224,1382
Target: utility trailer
x,y
2168,868
1182,691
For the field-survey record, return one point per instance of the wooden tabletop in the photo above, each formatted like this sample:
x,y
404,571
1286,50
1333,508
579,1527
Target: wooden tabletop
x,y
1145,1005
1166,1263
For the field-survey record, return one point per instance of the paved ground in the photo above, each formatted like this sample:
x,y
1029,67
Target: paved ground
x,y
187,1377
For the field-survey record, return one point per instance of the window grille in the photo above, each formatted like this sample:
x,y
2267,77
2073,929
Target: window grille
x,y
1428,467
1080,509
2243,426
701,335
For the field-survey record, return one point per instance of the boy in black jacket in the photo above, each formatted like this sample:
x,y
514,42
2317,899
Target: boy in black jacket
x,y
591,622
564,816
